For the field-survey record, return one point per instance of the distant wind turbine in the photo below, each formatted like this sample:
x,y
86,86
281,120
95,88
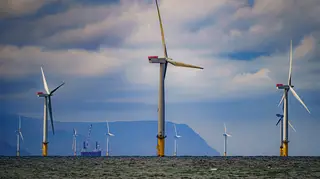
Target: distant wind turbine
x,y
176,137
280,121
287,88
161,103
47,104
19,135
74,144
108,135
226,135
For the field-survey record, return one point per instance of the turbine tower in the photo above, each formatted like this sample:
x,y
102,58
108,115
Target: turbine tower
x,y
281,130
161,103
47,104
176,137
226,135
108,135
287,88
19,135
74,144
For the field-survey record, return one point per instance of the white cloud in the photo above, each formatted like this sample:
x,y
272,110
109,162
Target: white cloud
x,y
231,26
228,78
73,62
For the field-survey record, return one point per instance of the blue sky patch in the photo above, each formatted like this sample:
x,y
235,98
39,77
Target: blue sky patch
x,y
245,55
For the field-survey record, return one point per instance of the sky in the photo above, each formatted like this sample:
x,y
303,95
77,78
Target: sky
x,y
100,49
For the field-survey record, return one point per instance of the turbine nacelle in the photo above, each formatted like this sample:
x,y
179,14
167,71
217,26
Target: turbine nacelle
x,y
41,94
156,59
109,134
279,115
165,60
282,86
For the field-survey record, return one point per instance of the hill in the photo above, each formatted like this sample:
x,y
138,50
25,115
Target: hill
x,y
132,138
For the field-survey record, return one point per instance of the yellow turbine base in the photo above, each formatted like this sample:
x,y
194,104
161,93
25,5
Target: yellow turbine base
x,y
285,149
224,153
160,147
44,149
18,154
107,154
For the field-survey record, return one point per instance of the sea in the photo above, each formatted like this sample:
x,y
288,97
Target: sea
x,y
155,167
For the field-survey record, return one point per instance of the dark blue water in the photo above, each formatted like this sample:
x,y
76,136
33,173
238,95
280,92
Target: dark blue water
x,y
154,167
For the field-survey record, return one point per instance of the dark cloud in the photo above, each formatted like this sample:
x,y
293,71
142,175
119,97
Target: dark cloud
x,y
56,17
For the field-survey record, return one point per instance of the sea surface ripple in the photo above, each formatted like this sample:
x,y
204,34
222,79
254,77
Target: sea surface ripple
x,y
154,167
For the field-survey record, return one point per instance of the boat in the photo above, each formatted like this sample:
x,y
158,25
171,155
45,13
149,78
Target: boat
x,y
95,153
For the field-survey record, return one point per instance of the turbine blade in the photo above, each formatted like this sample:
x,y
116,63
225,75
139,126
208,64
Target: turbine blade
x,y
298,98
281,100
292,126
162,32
45,82
278,121
229,135
180,64
108,127
50,113
20,133
57,88
290,67
225,128
165,70
163,40
19,122
175,129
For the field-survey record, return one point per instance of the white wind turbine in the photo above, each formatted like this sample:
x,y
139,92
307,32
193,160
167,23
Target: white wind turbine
x,y
281,130
74,144
226,135
108,135
161,103
47,104
287,88
176,137
19,135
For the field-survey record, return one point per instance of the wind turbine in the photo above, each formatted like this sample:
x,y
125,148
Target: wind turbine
x,y
108,135
280,121
161,103
74,144
176,137
47,104
226,135
287,88
19,135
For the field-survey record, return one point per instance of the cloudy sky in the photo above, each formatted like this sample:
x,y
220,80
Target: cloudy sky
x,y
100,48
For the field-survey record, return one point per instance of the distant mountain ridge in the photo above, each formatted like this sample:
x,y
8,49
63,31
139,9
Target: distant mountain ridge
x,y
132,138
8,150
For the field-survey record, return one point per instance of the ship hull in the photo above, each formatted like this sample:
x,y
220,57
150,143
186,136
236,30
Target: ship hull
x,y
91,154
